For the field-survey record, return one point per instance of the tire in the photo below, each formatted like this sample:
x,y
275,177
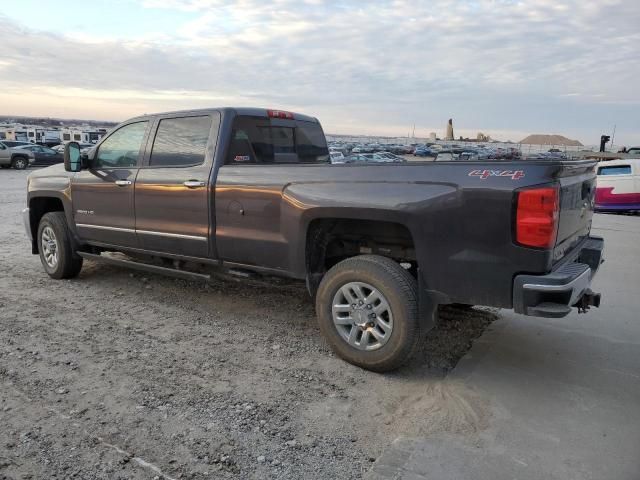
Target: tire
x,y
56,249
20,163
395,286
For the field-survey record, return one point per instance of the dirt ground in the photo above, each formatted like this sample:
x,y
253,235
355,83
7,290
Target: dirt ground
x,y
127,375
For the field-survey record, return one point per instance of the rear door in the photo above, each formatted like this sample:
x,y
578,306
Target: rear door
x,y
264,156
102,195
172,191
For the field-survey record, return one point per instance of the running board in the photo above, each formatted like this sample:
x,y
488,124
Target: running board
x,y
172,272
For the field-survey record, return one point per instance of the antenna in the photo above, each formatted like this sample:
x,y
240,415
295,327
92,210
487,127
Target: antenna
x,y
613,135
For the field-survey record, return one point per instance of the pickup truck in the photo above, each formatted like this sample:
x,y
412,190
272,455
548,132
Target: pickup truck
x,y
379,245
15,157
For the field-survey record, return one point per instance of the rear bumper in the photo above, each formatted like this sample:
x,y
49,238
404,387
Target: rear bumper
x,y
567,286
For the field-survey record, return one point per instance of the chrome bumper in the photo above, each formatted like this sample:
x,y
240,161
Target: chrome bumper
x,y
554,295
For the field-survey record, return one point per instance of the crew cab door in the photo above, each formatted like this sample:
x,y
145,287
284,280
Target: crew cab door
x,y
102,195
172,192
265,155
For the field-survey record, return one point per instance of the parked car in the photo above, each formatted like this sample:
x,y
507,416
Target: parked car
x,y
337,157
373,158
423,152
378,246
15,157
58,148
390,156
446,156
633,152
85,147
618,186
44,156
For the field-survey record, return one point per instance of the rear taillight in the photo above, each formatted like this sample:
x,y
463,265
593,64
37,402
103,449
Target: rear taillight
x,y
537,217
280,114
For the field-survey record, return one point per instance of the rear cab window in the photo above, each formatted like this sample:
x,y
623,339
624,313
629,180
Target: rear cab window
x,y
265,140
615,170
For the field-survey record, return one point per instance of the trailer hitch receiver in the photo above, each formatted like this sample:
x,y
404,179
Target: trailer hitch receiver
x,y
587,300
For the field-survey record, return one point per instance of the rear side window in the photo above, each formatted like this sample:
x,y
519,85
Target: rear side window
x,y
266,140
180,141
615,170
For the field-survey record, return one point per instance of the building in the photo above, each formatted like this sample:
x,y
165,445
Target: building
x,y
449,135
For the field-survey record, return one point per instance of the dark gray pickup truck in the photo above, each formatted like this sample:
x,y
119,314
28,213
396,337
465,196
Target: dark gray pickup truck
x,y
380,246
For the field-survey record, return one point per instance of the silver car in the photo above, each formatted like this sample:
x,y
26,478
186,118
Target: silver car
x,y
15,157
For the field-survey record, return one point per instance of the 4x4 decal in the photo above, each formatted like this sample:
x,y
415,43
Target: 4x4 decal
x,y
484,174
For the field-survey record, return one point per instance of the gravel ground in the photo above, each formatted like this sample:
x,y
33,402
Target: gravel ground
x,y
121,375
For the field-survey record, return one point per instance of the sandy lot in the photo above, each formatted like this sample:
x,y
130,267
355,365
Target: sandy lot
x,y
123,375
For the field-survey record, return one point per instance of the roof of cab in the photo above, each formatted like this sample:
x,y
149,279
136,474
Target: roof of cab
x,y
248,111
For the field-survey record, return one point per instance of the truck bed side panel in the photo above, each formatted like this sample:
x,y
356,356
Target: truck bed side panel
x,y
461,223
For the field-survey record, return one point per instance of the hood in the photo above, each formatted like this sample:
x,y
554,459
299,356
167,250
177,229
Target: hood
x,y
56,170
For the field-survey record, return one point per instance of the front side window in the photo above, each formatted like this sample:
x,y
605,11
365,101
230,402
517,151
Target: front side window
x,y
180,141
615,170
122,148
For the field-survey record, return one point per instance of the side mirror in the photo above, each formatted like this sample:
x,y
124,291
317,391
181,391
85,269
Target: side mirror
x,y
72,161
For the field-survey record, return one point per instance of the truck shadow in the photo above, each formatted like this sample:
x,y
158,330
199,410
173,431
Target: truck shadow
x,y
263,304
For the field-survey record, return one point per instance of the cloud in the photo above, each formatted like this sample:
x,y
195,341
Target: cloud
x,y
530,65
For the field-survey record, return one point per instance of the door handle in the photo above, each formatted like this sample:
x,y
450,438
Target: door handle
x,y
123,183
194,184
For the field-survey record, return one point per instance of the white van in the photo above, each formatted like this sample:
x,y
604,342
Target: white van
x,y
618,185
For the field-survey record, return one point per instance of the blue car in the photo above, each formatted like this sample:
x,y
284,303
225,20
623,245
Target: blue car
x,y
423,152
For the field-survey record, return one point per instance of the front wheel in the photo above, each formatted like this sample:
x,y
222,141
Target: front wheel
x,y
20,163
367,309
55,247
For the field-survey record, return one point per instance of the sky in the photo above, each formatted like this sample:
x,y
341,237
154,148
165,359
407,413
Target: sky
x,y
504,68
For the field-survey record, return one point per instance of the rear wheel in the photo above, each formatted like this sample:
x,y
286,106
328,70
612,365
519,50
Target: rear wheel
x,y
20,163
367,309
55,246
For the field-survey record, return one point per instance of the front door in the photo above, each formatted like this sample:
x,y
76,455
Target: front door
x,y
102,195
172,191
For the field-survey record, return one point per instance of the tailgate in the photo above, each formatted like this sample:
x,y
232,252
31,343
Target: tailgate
x,y
577,200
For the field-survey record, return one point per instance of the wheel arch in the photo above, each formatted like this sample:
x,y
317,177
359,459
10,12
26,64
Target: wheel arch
x,y
39,205
332,238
